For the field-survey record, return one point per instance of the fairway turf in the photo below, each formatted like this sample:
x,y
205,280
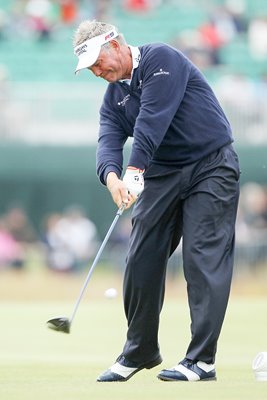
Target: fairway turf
x,y
39,364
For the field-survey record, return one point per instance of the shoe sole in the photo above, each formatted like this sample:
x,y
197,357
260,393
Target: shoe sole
x,y
150,365
180,380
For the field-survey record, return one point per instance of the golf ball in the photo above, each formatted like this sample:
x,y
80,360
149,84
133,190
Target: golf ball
x,y
111,293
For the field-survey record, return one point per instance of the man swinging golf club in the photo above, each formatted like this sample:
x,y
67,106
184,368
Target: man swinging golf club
x,y
184,174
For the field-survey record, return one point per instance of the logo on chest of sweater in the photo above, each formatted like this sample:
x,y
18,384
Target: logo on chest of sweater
x,y
161,72
124,100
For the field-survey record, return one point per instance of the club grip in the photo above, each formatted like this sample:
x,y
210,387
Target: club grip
x,y
121,209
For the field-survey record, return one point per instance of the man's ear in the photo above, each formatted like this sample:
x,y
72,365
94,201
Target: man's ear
x,y
114,44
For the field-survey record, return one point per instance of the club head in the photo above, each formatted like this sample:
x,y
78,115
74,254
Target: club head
x,y
59,324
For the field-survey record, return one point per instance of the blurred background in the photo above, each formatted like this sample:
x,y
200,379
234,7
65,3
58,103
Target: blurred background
x,y
53,211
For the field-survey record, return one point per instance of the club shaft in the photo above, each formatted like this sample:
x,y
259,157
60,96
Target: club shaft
x,y
112,226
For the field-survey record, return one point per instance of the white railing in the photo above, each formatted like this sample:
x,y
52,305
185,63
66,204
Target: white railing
x,y
68,113
50,113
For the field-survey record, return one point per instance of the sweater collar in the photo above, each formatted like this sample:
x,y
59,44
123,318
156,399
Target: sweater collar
x,y
136,56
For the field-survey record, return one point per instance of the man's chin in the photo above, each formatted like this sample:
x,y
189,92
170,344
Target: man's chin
x,y
110,78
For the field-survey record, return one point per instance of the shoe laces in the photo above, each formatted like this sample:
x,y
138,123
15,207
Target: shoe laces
x,y
187,363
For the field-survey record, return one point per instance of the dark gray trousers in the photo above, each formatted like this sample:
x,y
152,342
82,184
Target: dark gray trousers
x,y
199,203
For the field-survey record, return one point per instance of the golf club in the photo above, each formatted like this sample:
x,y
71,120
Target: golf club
x,y
63,324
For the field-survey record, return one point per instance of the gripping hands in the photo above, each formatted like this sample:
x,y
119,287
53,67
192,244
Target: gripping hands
x,y
134,181
127,190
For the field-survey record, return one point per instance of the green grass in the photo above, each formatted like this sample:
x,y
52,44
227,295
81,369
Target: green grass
x,y
39,364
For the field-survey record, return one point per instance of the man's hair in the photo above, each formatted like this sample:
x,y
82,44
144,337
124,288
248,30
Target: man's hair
x,y
89,29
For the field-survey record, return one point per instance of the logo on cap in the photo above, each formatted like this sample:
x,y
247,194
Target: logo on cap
x,y
110,35
81,50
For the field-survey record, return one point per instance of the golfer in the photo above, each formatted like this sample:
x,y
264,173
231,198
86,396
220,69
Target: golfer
x,y
182,175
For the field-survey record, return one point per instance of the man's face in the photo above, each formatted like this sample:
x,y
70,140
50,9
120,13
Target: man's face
x,y
110,65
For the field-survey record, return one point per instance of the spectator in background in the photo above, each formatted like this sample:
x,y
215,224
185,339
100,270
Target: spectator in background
x,y
11,252
257,38
236,9
224,24
254,204
202,45
251,227
68,11
212,40
42,16
22,236
58,256
138,5
196,48
228,21
70,239
16,237
19,226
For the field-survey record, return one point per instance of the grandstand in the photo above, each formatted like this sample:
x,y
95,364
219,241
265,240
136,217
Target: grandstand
x,y
51,102
52,60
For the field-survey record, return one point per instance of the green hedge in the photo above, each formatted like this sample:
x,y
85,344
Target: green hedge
x,y
48,179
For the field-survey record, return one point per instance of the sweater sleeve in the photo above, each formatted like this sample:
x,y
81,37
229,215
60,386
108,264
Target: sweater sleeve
x,y
165,76
109,155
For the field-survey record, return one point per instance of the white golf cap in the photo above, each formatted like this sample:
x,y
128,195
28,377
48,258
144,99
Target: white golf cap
x,y
88,51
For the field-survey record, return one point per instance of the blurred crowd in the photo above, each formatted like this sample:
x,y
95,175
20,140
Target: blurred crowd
x,y
242,94
44,19
224,23
16,235
68,241
251,226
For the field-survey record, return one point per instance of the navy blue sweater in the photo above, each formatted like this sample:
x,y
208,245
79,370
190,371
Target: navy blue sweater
x,y
169,109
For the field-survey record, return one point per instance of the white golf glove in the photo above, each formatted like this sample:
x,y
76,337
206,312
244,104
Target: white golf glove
x,y
134,181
